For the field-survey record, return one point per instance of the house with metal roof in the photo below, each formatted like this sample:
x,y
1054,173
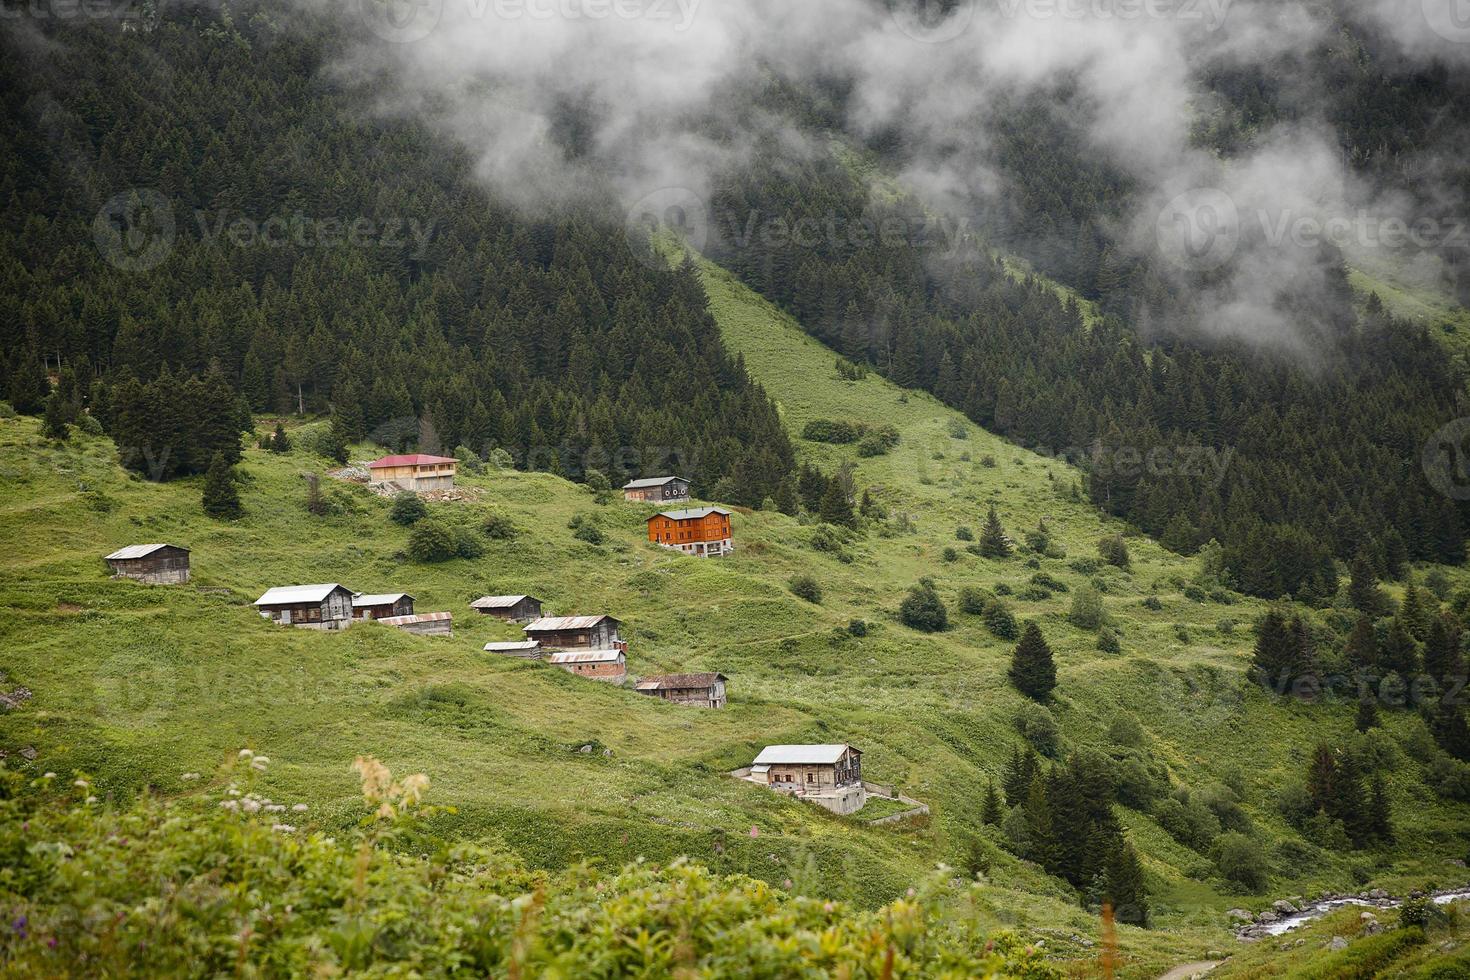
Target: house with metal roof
x,y
701,531
830,776
156,564
321,607
423,624
576,633
382,606
524,649
413,471
597,665
511,608
657,490
706,690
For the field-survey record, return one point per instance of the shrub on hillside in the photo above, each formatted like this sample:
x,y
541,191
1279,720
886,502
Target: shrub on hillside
x,y
922,609
836,431
432,541
972,600
589,533
1087,609
806,587
1114,550
498,527
408,509
1241,862
1039,728
999,619
878,441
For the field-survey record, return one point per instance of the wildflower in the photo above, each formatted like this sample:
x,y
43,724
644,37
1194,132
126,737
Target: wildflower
x,y
20,926
51,942
754,831
229,804
275,807
299,808
787,884
49,775
828,906
91,799
283,828
246,754
414,788
81,784
259,763
189,777
249,805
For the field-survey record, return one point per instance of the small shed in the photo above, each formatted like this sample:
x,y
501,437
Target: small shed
x,y
423,624
657,490
382,606
156,564
511,608
696,690
320,607
576,633
523,649
597,665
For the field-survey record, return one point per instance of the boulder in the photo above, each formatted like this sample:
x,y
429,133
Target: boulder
x,y
1338,942
1268,917
1378,894
1240,915
1284,907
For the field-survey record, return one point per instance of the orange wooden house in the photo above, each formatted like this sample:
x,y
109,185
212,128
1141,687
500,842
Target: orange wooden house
x,y
703,531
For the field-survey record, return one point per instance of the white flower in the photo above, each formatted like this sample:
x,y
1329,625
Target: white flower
x,y
91,799
250,806
229,804
189,777
246,754
275,807
259,763
82,783
49,775
299,808
284,828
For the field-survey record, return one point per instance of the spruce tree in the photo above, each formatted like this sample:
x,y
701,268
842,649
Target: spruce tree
x,y
1361,649
1367,713
1450,730
1380,812
922,609
1019,771
279,441
1363,590
1272,658
994,542
221,500
1442,657
991,810
53,422
1033,671
836,508
1124,887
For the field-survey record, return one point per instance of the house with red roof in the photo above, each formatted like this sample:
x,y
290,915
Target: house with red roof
x,y
415,471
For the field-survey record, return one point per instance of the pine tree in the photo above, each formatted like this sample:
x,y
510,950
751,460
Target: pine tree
x,y
221,500
53,424
279,441
1123,885
1361,649
1272,658
994,542
1380,812
1450,730
836,508
1367,713
1033,671
922,609
1416,614
991,810
1443,660
1363,590
1019,771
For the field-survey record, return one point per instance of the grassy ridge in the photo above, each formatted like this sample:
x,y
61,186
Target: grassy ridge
x,y
138,685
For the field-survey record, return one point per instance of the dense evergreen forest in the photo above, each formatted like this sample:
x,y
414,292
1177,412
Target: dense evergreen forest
x,y
320,259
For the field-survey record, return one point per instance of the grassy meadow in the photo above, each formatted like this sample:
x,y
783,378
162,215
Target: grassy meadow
x,y
138,685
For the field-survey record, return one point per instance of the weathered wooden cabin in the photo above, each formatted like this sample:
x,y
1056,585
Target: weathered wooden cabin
x,y
828,775
704,531
576,633
523,649
156,564
415,471
696,690
423,624
597,665
320,607
657,490
511,608
382,606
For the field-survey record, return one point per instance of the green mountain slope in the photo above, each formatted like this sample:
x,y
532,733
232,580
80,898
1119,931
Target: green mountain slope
x,y
138,685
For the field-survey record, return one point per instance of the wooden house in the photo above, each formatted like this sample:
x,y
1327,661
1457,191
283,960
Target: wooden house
x,y
522,649
423,624
658,490
320,607
828,775
576,633
156,564
382,606
416,472
598,665
704,531
511,608
695,690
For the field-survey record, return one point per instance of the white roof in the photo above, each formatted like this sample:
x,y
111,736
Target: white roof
x,y
288,595
386,599
656,481
498,601
692,514
801,755
557,623
585,657
139,551
512,646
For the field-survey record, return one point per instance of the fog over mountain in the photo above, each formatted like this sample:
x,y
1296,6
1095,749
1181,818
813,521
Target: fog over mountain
x,y
561,100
